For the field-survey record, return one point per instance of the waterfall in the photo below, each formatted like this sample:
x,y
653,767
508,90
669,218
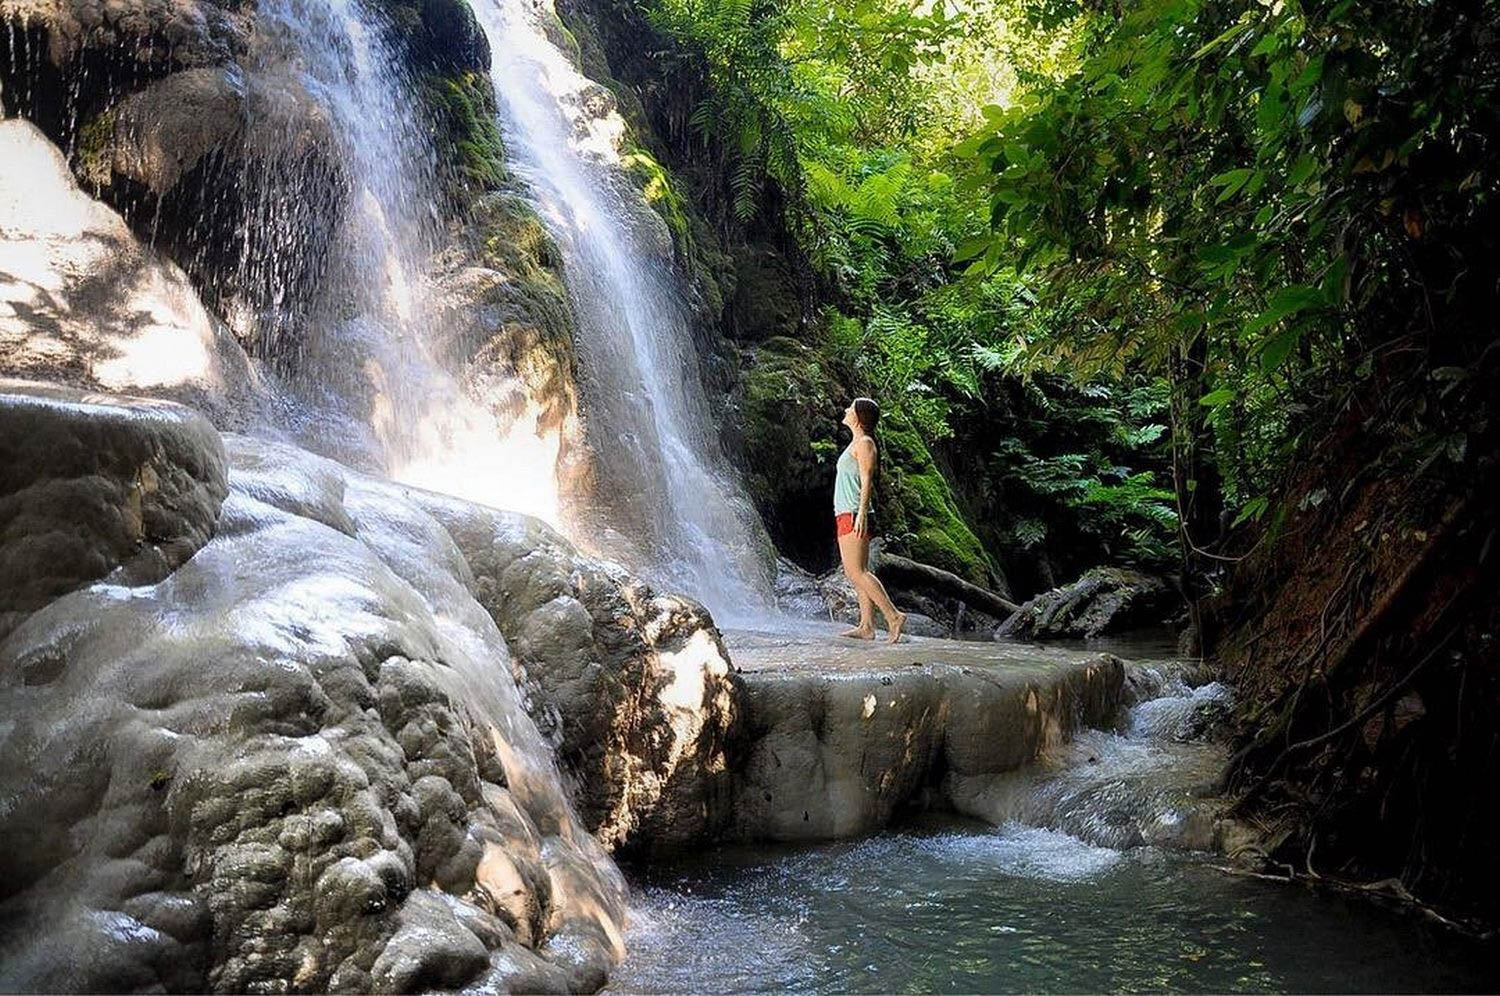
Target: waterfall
x,y
668,503
312,226
344,317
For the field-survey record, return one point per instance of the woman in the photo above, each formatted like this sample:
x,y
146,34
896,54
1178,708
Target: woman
x,y
853,483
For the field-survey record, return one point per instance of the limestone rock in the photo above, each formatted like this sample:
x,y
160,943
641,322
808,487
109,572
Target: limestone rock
x,y
831,596
298,760
507,324
95,486
207,131
786,435
635,686
157,35
163,132
841,737
1104,600
798,593
83,302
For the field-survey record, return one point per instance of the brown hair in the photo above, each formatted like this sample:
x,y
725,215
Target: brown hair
x,y
868,413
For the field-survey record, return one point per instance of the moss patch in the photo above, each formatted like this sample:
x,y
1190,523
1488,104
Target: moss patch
x,y
463,111
95,153
656,186
513,241
559,34
918,512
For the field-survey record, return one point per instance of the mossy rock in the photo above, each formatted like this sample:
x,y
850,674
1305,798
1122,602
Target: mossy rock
x,y
559,34
766,301
511,239
94,158
514,238
586,46
919,513
789,437
656,186
463,111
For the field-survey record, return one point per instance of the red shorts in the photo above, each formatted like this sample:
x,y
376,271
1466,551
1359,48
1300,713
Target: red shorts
x,y
843,523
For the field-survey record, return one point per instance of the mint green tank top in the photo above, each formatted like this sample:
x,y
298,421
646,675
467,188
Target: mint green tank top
x,y
846,483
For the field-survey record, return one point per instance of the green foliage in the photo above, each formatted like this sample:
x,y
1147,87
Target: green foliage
x,y
1080,465
1280,191
853,112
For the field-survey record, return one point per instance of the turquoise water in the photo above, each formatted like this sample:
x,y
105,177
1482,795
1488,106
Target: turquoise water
x,y
1015,909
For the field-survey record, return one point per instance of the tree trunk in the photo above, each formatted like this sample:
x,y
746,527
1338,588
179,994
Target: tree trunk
x,y
1195,479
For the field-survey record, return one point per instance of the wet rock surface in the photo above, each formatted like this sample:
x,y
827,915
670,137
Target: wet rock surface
x,y
298,760
96,486
507,325
633,687
1151,778
842,734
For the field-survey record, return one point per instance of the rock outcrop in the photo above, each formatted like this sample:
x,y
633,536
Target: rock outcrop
x,y
83,302
94,487
506,323
208,127
840,738
634,687
299,759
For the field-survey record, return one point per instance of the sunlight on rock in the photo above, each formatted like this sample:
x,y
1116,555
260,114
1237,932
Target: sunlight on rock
x,y
157,355
689,666
71,273
505,889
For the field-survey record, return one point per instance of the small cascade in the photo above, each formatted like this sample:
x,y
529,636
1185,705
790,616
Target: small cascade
x,y
1142,783
667,503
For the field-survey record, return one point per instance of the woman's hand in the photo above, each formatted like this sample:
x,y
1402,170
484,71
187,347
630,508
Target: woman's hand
x,y
861,525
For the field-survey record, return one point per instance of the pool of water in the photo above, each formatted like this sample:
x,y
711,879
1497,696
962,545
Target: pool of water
x,y
950,907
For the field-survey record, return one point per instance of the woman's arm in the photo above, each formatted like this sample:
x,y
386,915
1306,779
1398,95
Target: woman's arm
x,y
864,454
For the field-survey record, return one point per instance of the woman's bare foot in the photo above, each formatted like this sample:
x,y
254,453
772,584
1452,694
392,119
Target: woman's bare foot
x,y
894,625
860,632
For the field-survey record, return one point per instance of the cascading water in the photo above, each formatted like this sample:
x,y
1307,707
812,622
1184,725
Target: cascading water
x,y
664,483
344,315
1060,896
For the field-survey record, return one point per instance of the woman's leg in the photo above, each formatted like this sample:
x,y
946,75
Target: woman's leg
x,y
875,591
853,568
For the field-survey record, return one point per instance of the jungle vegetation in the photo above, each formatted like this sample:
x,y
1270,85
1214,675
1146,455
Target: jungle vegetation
x,y
1222,218
1200,285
